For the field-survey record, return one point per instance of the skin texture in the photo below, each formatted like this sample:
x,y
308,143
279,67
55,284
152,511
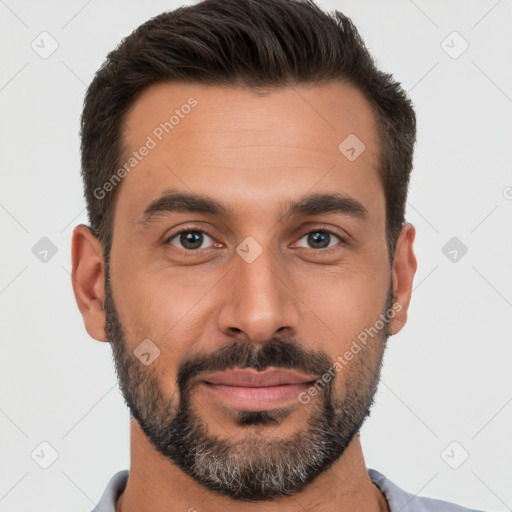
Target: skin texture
x,y
255,153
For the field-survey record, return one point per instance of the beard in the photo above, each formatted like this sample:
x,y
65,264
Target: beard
x,y
254,467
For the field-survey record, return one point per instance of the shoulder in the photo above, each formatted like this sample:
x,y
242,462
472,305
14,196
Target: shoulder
x,y
114,488
400,500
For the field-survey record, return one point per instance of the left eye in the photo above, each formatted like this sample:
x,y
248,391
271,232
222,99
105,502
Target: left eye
x,y
191,239
319,239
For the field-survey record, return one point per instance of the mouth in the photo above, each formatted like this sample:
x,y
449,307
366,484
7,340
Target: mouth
x,y
251,390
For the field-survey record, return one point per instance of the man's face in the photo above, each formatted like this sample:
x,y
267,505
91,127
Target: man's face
x,y
252,285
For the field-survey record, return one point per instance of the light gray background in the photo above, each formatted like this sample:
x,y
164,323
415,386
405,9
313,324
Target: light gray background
x,y
447,374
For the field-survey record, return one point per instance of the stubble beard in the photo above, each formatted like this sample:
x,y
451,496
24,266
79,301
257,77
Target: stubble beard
x,y
252,467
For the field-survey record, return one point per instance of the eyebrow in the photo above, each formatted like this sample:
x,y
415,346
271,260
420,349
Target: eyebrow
x,y
173,201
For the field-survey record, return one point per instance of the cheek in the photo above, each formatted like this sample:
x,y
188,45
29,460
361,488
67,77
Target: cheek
x,y
346,302
164,305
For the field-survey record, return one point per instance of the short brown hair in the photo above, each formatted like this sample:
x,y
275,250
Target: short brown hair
x,y
246,43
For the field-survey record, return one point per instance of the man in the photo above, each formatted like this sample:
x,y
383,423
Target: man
x,y
246,170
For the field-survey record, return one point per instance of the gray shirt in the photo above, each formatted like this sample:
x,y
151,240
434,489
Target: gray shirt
x,y
398,500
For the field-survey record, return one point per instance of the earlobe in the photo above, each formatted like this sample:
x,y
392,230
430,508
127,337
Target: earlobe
x,y
88,278
404,269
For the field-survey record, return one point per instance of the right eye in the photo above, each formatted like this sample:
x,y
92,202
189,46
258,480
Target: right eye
x,y
190,239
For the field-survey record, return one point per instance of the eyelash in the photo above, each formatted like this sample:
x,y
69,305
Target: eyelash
x,y
192,252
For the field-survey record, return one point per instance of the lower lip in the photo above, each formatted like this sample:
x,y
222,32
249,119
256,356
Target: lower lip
x,y
257,399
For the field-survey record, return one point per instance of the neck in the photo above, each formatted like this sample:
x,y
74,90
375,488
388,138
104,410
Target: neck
x,y
155,483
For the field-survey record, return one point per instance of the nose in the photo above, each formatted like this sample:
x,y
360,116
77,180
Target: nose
x,y
261,301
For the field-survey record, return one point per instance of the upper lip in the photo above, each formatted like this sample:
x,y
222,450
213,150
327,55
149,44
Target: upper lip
x,y
255,379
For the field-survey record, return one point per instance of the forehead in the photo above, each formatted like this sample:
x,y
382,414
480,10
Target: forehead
x,y
249,147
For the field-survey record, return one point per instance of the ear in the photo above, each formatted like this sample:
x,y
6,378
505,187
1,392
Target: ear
x,y
88,279
404,268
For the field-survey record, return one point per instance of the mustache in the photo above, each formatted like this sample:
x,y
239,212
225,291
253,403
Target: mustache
x,y
278,353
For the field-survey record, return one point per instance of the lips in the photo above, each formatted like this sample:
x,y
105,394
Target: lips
x,y
250,378
251,390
